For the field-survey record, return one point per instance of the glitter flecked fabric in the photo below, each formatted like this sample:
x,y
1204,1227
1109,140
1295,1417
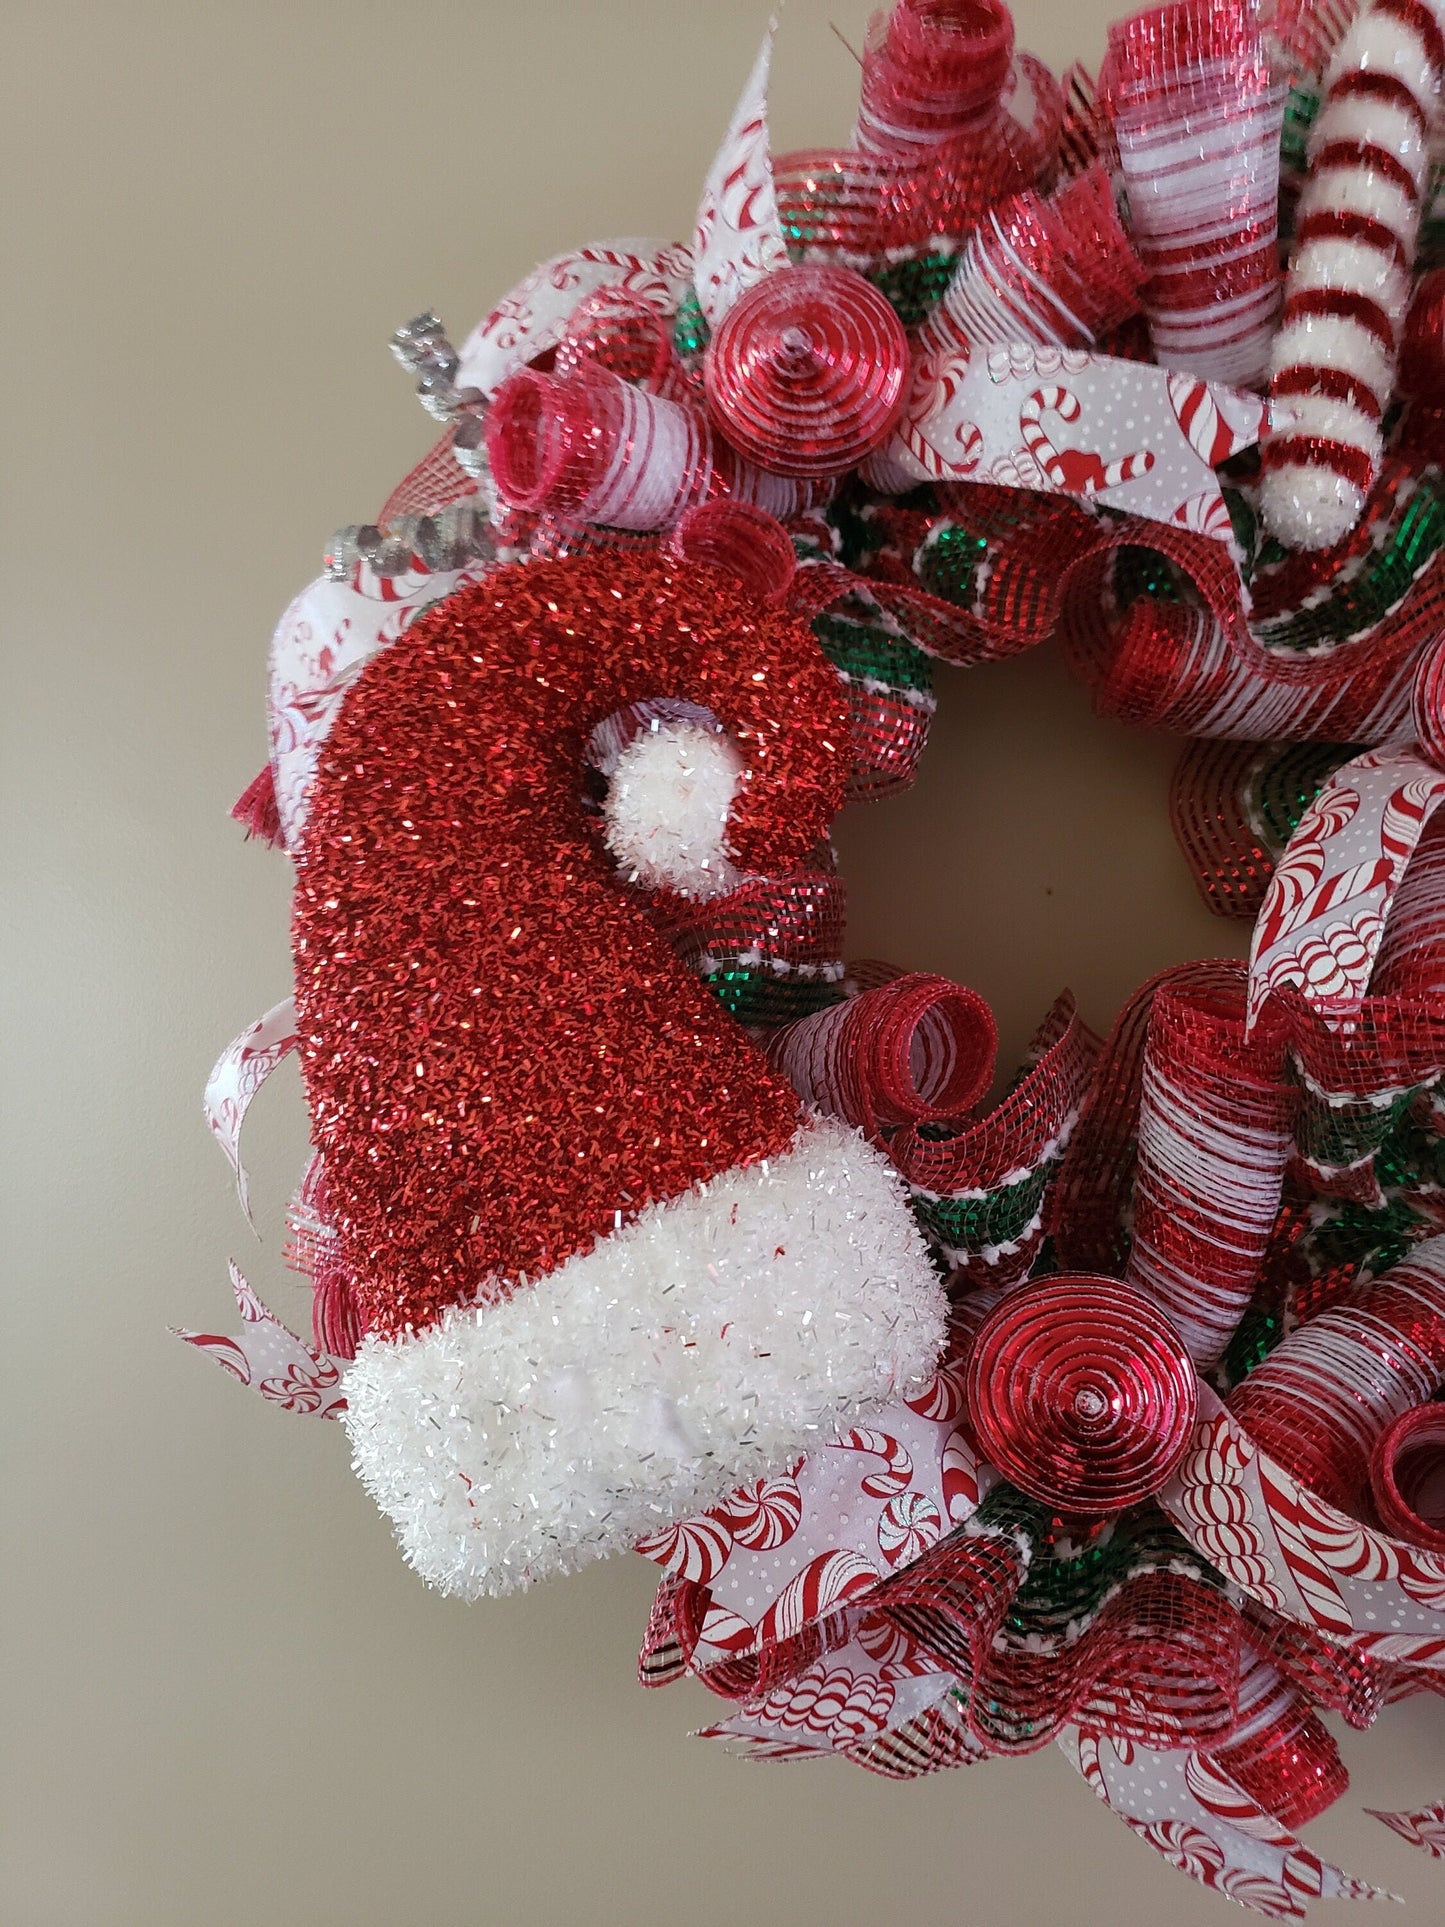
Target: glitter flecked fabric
x,y
504,1059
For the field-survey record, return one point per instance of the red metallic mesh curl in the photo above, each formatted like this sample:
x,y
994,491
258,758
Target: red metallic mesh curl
x,y
1422,351
1407,1477
918,1050
1279,1752
744,541
594,449
1320,1401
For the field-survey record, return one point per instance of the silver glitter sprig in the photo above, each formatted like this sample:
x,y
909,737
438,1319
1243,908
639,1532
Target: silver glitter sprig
x,y
451,538
422,347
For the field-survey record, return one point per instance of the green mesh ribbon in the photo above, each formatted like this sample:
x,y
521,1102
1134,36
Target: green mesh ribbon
x,y
761,998
690,332
948,563
1245,524
1338,1136
1066,1588
1345,1238
1282,789
963,1227
1255,1337
914,288
1365,592
1140,572
1301,105
1063,1592
866,652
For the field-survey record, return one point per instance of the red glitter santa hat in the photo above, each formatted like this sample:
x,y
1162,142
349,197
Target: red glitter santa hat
x,y
607,1265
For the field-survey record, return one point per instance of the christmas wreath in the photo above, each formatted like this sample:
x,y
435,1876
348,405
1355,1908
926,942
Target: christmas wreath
x,y
637,1217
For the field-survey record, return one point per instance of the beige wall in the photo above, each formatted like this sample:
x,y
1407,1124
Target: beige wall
x,y
225,1701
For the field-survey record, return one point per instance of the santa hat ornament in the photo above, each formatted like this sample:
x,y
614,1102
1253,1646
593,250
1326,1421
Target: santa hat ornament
x,y
606,1264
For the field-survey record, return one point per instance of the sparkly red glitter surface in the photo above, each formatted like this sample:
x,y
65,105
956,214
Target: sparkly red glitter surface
x,y
503,1057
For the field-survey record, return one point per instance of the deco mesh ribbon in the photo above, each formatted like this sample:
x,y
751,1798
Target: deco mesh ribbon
x,y
1100,1406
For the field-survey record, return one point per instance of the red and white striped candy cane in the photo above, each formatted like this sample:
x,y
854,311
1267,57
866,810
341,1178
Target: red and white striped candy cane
x,y
1333,363
1080,471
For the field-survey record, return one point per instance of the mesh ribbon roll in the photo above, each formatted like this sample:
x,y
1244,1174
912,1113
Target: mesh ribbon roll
x,y
593,448
746,541
1197,115
1081,1393
918,1050
806,373
1422,352
931,69
1427,701
1323,1397
1052,271
1213,1147
1411,960
838,204
616,329
1407,1476
1279,1753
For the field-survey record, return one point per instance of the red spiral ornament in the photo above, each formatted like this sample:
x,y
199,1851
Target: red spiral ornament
x,y
806,374
1081,1394
1407,1477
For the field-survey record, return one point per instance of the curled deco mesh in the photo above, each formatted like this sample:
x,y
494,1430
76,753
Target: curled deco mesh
x,y
1105,1412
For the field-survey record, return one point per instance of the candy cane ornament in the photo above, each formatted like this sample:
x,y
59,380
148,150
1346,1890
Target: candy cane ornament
x,y
1080,471
1332,370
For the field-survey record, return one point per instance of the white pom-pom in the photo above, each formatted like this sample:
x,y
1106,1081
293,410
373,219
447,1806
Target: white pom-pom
x,y
668,799
1309,507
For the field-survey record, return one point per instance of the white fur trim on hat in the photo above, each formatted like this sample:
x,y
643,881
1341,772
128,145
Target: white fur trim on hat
x,y
712,1340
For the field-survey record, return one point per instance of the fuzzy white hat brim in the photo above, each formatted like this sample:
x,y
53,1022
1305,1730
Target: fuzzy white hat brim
x,y
714,1339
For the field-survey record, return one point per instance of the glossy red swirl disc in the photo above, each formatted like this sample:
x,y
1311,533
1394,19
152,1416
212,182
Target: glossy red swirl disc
x,y
806,373
1081,1393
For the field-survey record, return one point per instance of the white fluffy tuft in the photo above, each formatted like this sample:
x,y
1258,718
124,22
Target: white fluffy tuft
x,y
1309,507
709,1342
666,815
